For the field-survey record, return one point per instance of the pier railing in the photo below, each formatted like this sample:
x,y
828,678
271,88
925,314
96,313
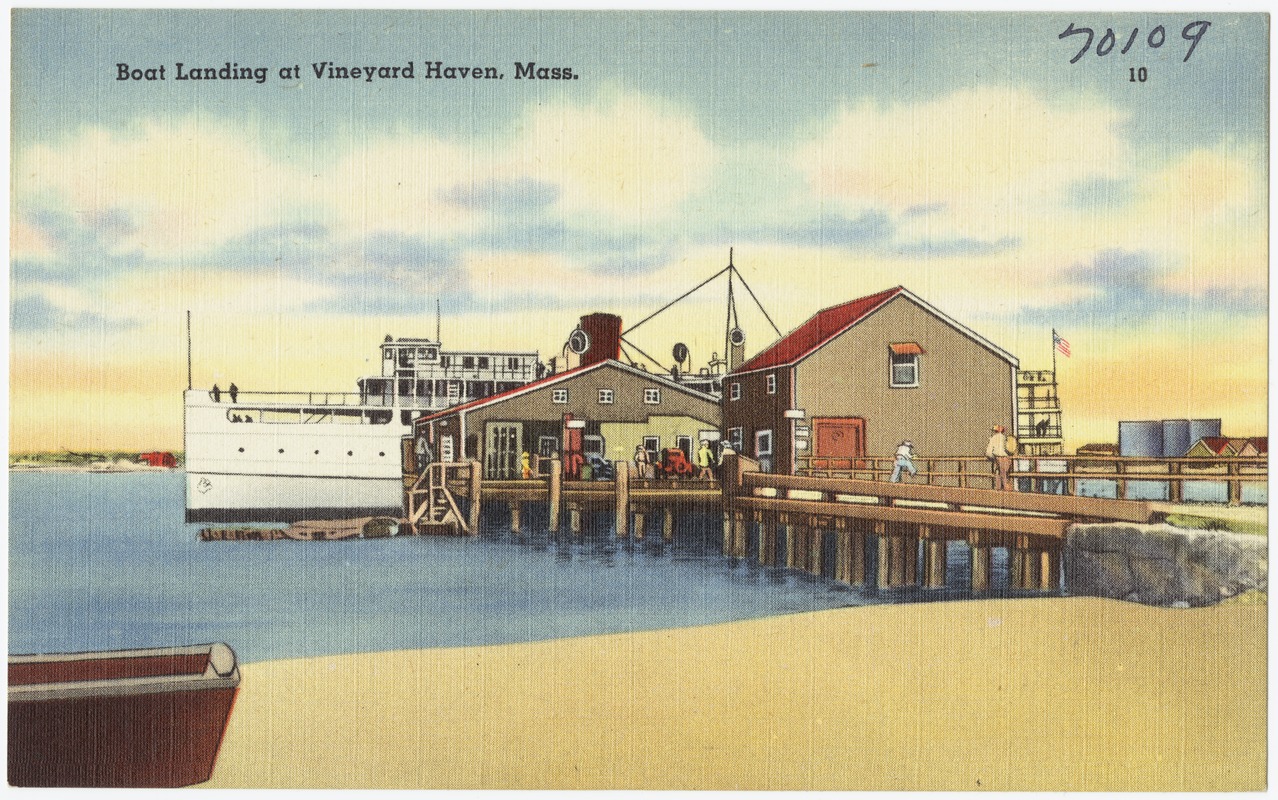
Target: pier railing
x,y
1058,474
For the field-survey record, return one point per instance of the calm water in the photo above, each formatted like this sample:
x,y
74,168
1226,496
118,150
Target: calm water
x,y
102,561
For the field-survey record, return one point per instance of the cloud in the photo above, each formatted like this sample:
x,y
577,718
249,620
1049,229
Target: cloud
x,y
630,157
36,313
1123,289
980,160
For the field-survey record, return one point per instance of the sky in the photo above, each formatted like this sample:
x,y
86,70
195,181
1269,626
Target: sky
x,y
302,218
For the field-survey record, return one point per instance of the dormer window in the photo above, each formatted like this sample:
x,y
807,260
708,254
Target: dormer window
x,y
904,358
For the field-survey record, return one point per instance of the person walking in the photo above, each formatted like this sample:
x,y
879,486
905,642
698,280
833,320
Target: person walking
x,y
217,394
996,452
233,391
705,460
904,461
525,465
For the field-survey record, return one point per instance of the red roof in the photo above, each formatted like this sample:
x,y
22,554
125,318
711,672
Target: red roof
x,y
1261,443
1216,444
819,329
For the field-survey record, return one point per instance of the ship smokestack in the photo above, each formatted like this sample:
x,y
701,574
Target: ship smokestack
x,y
603,338
736,348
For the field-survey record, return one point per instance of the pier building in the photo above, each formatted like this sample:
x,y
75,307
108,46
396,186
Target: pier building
x,y
601,408
859,378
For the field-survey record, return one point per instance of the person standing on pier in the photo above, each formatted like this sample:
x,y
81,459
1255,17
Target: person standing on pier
x,y
643,463
217,394
705,460
996,452
233,391
904,461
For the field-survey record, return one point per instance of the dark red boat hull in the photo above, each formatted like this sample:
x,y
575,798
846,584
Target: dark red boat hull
x,y
161,734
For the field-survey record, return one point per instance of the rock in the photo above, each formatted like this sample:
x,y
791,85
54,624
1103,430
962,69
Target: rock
x,y
1162,565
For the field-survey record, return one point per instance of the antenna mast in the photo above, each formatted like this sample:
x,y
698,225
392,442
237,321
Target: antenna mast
x,y
189,385
437,339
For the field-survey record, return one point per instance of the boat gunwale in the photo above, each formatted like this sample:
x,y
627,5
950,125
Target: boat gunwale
x,y
209,679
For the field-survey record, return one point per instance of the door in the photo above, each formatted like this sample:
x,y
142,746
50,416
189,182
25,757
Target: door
x,y
839,442
503,445
763,450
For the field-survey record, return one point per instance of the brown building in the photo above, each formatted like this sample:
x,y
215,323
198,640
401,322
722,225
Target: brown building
x,y
604,409
860,378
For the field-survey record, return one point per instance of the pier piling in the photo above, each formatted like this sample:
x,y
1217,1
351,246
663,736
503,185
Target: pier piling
x,y
476,489
556,490
623,498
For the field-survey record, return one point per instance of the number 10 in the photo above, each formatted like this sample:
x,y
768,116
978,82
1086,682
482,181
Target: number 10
x,y
1137,75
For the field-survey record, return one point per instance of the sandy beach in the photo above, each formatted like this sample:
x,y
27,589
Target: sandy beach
x,y
1044,695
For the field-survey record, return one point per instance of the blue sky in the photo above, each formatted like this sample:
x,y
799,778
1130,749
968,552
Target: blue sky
x,y
839,153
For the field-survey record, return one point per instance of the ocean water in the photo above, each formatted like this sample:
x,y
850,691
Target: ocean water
x,y
106,561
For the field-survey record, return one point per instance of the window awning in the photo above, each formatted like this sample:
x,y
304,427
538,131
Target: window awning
x,y
906,349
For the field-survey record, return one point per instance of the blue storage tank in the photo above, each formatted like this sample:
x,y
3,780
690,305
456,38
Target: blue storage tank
x,y
1176,440
1142,438
1198,428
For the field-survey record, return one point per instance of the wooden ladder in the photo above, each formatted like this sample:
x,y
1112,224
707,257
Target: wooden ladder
x,y
433,504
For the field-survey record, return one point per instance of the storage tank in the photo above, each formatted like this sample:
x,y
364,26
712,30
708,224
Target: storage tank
x,y
1176,440
1142,438
1198,428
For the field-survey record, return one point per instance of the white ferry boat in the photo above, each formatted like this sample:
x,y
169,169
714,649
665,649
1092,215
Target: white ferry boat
x,y
283,456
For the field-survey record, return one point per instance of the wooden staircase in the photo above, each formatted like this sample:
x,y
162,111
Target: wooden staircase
x,y
432,509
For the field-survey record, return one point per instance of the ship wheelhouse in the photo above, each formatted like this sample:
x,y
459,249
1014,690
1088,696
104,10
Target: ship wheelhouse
x,y
418,373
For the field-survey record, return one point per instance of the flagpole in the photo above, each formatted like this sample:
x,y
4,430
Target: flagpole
x,y
1053,355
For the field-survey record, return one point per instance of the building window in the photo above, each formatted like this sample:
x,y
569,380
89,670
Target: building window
x,y
559,396
652,444
734,391
772,384
483,362
652,396
468,362
737,438
512,363
904,358
605,396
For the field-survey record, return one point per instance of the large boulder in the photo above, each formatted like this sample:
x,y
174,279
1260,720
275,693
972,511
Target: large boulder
x,y
1162,565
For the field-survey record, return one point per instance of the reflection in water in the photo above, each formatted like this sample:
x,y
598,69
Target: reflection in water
x,y
698,541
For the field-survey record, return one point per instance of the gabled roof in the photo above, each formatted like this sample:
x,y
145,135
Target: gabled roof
x,y
1214,444
559,377
1260,443
829,323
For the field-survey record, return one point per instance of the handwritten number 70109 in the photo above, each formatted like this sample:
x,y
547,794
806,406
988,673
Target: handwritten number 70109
x,y
1192,33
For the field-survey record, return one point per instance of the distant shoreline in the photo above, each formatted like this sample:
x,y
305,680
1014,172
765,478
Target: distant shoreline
x,y
22,466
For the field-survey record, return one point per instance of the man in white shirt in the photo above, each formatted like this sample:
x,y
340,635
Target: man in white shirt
x,y
904,461
996,451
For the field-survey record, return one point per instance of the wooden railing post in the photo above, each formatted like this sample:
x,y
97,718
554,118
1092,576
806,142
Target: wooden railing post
x,y
1235,486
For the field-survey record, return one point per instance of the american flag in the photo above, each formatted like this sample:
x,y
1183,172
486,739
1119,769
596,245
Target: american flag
x,y
1061,344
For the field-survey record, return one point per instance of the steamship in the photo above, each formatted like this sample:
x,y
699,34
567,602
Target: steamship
x,y
283,456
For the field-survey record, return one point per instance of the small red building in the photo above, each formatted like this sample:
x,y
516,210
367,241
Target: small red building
x,y
158,459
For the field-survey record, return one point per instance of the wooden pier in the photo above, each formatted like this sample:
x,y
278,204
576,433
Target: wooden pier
x,y
907,526
633,501
878,533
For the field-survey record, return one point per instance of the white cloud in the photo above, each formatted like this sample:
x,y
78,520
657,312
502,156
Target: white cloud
x,y
989,159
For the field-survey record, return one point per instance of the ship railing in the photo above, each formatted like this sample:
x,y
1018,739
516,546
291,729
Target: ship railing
x,y
287,398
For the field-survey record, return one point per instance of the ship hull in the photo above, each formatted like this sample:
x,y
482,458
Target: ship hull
x,y
300,462
228,497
